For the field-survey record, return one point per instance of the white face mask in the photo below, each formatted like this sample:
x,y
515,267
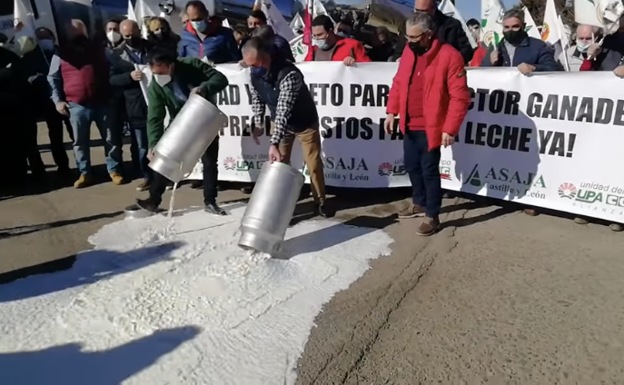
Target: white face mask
x,y
582,47
113,37
162,80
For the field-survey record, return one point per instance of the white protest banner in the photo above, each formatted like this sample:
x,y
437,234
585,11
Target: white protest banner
x,y
546,140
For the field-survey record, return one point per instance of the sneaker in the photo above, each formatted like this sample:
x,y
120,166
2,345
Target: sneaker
x,y
412,211
531,212
148,205
323,211
428,227
580,221
616,227
116,178
214,208
82,182
144,185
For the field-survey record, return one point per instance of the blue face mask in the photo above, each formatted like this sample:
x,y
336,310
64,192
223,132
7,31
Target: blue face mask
x,y
199,26
46,45
258,72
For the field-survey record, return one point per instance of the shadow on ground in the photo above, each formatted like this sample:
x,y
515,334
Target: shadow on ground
x,y
89,267
23,230
70,365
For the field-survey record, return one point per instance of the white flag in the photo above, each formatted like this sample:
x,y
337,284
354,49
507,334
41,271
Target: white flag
x,y
24,27
530,27
275,18
226,24
552,30
447,8
299,50
600,13
492,12
297,24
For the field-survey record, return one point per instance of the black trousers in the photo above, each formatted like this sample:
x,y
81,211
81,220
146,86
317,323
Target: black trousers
x,y
210,177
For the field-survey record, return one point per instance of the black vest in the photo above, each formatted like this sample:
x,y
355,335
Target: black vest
x,y
304,114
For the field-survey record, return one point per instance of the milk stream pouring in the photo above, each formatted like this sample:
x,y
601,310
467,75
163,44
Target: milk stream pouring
x,y
271,208
186,139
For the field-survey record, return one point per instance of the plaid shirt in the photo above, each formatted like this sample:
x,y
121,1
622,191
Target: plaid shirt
x,y
288,92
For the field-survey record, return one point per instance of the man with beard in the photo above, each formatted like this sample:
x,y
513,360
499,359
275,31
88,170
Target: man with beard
x,y
78,80
126,78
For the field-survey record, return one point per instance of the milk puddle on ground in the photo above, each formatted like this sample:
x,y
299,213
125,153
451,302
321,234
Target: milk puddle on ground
x,y
188,307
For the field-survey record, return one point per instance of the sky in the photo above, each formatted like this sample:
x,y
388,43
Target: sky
x,y
472,8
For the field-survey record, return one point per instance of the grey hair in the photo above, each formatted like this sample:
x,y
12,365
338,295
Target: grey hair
x,y
517,13
422,19
264,32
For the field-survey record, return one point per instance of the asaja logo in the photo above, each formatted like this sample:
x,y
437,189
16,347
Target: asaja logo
x,y
504,175
229,163
567,190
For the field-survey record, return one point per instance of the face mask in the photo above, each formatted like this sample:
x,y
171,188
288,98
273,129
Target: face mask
x,y
418,49
199,26
515,37
46,45
162,80
133,41
321,44
582,47
157,32
113,37
258,72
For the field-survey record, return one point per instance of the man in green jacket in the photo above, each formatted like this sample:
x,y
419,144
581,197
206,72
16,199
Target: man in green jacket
x,y
174,80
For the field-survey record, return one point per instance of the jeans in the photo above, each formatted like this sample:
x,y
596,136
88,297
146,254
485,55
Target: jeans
x,y
423,168
81,118
138,150
210,176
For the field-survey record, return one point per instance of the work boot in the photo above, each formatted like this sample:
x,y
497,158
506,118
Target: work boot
x,y
144,185
116,178
428,227
412,211
82,182
148,205
214,208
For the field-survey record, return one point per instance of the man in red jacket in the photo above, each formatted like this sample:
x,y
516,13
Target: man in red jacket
x,y
430,94
327,46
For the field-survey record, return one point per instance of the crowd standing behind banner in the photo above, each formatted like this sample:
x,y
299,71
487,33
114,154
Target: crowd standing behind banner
x,y
91,84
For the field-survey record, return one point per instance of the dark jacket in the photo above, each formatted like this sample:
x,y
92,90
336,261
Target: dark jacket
x,y
304,114
169,42
13,80
187,74
531,51
612,54
450,31
219,47
121,66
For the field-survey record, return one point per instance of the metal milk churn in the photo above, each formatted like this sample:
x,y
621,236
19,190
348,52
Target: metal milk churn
x,y
187,138
271,207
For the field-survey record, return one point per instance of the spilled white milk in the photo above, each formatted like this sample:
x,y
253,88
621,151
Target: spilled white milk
x,y
192,308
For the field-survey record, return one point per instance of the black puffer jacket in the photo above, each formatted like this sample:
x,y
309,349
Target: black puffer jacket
x,y
450,31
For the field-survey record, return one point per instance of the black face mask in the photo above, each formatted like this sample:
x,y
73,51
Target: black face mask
x,y
418,49
134,42
80,40
515,37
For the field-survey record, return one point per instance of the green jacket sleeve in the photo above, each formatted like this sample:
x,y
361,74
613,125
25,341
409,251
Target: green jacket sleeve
x,y
156,113
214,81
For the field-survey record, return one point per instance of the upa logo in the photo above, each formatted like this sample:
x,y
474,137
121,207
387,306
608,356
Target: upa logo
x,y
385,169
567,191
229,163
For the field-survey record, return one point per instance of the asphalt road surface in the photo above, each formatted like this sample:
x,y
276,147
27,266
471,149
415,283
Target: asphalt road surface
x,y
495,297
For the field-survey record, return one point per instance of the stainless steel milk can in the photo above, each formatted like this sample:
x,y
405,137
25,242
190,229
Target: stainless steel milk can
x,y
187,138
271,207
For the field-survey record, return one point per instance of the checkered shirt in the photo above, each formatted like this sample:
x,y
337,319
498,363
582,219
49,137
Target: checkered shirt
x,y
288,92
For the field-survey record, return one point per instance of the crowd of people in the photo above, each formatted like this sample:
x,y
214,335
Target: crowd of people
x,y
83,81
